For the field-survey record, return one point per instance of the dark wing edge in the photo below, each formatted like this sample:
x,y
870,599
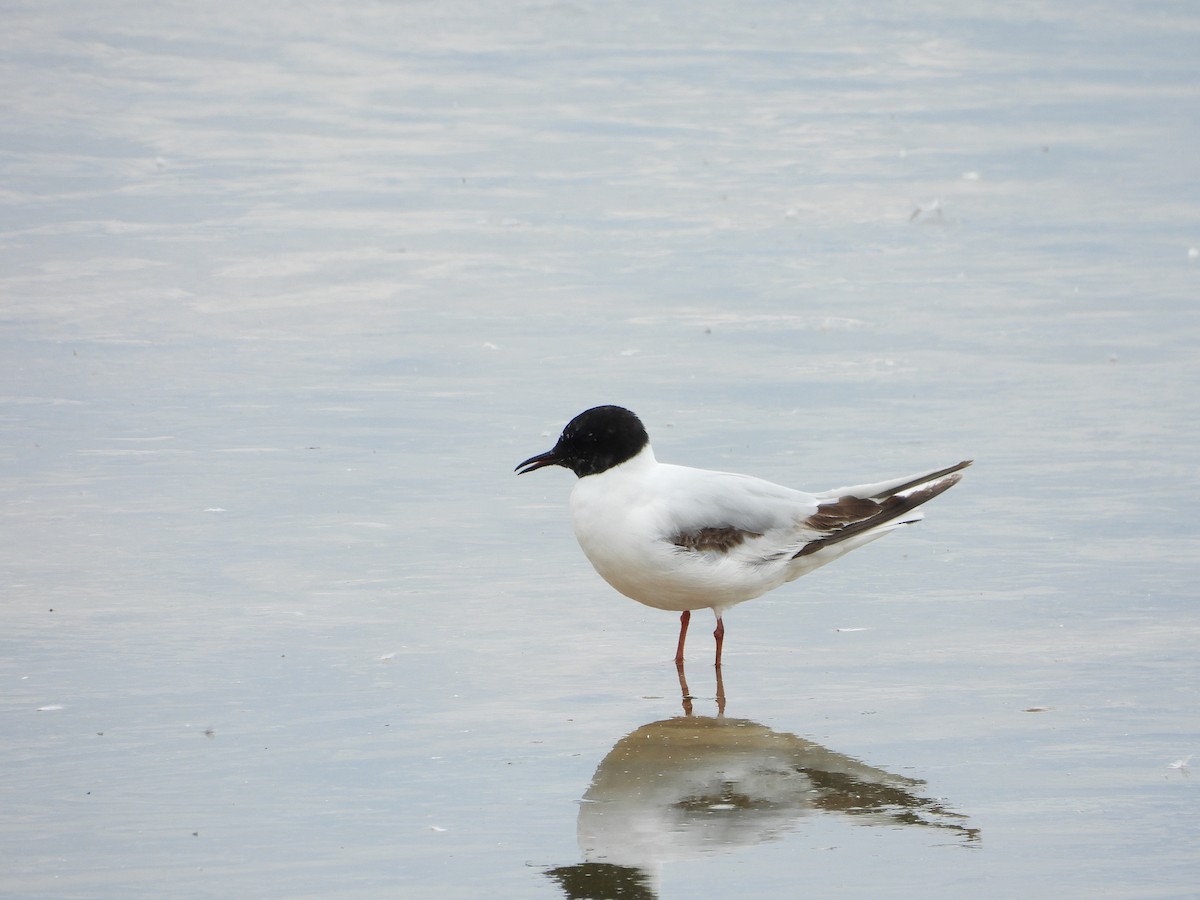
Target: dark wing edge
x,y
847,517
923,479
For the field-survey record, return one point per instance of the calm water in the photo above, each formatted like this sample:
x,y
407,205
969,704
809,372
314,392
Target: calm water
x,y
288,289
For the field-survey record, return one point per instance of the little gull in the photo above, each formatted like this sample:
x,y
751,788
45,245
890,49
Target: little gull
x,y
679,539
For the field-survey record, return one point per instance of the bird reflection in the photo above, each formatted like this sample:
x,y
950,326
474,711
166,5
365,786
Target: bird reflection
x,y
693,785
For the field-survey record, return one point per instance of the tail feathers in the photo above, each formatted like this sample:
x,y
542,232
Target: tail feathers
x,y
851,516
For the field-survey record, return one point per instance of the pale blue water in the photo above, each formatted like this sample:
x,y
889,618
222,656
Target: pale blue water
x,y
287,290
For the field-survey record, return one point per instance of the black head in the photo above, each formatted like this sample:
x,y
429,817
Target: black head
x,y
593,442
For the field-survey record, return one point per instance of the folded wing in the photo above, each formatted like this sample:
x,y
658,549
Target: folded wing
x,y
736,515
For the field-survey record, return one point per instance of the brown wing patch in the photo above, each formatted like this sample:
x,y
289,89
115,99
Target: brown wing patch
x,y
832,516
722,540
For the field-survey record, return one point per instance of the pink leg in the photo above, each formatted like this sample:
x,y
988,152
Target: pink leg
x,y
684,618
719,634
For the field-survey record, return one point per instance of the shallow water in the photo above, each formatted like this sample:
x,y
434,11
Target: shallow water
x,y
289,290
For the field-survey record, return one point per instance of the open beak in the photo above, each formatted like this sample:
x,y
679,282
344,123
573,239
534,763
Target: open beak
x,y
538,462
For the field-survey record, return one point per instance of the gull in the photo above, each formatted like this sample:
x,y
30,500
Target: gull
x,y
680,539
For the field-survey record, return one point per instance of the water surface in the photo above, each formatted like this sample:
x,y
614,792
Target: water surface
x,y
287,292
